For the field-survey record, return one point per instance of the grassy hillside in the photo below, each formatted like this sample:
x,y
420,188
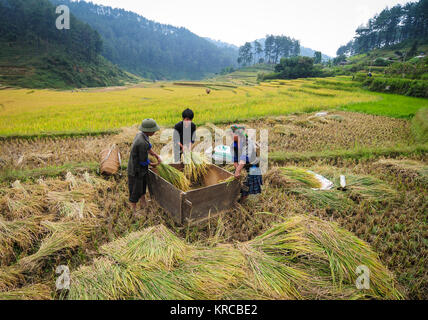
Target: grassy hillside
x,y
22,65
35,54
372,61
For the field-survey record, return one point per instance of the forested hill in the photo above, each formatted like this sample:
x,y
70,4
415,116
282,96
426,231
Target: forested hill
x,y
34,53
151,49
391,27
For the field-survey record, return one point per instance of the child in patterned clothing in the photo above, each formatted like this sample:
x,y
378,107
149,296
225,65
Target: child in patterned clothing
x,y
245,157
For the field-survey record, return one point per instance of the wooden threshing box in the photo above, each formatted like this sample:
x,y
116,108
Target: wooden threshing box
x,y
199,204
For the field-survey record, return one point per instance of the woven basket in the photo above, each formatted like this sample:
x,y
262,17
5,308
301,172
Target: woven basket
x,y
110,160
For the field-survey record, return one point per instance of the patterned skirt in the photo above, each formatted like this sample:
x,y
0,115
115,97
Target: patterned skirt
x,y
253,185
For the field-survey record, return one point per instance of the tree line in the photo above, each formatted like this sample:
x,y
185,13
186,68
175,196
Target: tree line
x,y
390,27
269,50
150,49
34,22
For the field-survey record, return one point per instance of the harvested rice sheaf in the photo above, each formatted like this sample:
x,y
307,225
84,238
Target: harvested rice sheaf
x,y
301,258
64,235
289,177
195,166
409,170
18,234
30,292
173,176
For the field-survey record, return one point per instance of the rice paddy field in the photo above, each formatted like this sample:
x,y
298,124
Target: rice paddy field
x,y
290,242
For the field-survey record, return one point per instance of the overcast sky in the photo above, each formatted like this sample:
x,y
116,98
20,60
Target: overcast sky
x,y
319,24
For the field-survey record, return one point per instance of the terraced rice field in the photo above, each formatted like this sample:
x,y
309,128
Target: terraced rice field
x,y
56,210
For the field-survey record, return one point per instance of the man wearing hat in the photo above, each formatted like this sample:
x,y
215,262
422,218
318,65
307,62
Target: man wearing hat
x,y
138,165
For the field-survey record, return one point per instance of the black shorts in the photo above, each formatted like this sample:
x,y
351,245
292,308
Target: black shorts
x,y
137,187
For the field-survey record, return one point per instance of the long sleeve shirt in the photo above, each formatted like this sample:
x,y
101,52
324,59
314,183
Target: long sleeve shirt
x,y
139,158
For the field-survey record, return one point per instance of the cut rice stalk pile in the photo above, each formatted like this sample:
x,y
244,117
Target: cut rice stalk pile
x,y
19,233
64,235
301,258
369,189
173,176
10,277
31,292
195,166
409,170
283,131
327,199
290,177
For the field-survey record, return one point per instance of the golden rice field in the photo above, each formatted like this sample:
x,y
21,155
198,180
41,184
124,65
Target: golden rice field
x,y
290,242
32,112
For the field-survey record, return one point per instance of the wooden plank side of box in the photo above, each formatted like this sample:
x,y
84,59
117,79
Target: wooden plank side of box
x,y
168,197
201,203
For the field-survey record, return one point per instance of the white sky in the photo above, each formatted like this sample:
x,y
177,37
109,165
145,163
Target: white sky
x,y
319,24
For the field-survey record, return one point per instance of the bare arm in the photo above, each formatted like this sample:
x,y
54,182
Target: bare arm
x,y
239,168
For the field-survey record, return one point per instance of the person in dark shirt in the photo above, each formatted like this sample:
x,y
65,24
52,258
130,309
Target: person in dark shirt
x,y
184,134
138,164
245,157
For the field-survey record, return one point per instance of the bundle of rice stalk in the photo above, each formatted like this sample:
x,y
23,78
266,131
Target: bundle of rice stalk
x,y
331,199
283,131
71,179
272,276
20,233
344,253
409,170
291,177
108,280
195,165
73,204
173,176
65,235
22,208
302,257
211,272
155,246
10,277
31,292
369,189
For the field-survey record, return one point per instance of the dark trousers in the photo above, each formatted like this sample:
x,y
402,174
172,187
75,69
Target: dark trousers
x,y
137,187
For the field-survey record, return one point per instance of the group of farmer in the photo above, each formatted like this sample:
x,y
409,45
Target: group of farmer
x,y
243,152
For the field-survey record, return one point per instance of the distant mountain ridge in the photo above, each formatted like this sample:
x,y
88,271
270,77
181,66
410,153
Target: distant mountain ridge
x,y
35,54
150,49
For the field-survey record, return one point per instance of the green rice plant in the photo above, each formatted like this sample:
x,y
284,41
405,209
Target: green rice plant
x,y
30,292
196,165
173,176
420,126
